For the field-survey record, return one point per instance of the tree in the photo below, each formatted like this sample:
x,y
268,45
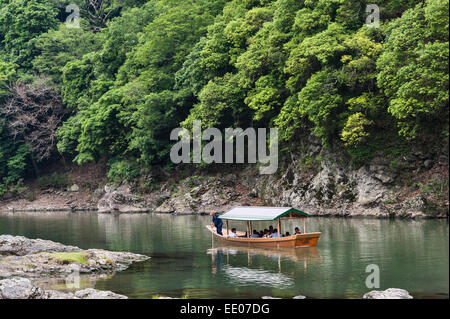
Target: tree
x,y
413,69
221,104
20,22
8,75
57,47
354,131
33,114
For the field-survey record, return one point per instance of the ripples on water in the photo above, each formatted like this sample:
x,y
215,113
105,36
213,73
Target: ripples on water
x,y
261,277
186,261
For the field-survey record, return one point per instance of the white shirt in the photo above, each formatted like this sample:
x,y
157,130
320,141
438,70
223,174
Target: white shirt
x,y
232,235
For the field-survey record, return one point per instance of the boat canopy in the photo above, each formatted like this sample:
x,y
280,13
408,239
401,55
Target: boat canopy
x,y
262,213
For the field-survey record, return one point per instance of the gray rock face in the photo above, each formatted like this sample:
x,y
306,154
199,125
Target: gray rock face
x,y
198,194
22,288
325,184
416,206
18,288
331,188
120,199
320,180
74,188
21,246
390,293
91,293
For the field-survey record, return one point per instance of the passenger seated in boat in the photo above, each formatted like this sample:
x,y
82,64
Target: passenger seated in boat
x,y
274,234
297,231
255,234
233,233
270,229
266,233
261,233
287,234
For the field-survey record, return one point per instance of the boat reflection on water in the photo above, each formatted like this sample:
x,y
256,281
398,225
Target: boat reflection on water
x,y
259,267
244,275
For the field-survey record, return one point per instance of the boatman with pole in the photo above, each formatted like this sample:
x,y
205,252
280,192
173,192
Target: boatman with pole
x,y
217,222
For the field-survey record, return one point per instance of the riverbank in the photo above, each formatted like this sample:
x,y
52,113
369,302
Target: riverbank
x,y
316,180
199,194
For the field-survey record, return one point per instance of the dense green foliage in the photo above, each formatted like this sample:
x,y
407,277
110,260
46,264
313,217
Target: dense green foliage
x,y
128,78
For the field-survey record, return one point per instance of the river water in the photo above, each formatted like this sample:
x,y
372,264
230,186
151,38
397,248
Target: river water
x,y
186,262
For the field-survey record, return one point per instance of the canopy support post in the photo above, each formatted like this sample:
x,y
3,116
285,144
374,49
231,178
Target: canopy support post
x,y
227,228
304,225
279,227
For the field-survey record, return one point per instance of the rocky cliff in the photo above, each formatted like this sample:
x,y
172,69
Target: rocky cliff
x,y
411,181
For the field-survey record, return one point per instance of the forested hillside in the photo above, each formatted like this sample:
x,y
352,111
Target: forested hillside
x,y
114,87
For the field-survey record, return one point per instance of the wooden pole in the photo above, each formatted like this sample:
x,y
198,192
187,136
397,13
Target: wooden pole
x,y
279,228
227,228
304,225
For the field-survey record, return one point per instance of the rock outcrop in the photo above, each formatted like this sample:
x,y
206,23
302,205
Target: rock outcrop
x,y
121,199
21,246
34,258
390,293
201,194
22,288
322,182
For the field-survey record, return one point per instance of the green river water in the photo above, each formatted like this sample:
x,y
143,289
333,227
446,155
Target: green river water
x,y
186,262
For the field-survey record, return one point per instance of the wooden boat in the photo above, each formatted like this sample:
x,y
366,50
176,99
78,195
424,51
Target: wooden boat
x,y
250,214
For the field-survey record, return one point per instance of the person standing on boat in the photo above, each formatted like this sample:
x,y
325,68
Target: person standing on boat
x,y
218,223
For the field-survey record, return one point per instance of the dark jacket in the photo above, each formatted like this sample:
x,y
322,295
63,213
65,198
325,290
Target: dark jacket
x,y
217,221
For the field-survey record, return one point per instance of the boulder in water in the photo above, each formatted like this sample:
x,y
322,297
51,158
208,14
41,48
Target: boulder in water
x,y
390,293
22,288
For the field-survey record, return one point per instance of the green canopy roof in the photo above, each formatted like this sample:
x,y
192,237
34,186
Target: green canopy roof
x,y
261,213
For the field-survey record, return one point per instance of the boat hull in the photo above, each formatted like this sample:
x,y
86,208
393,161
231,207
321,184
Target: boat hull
x,y
294,241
